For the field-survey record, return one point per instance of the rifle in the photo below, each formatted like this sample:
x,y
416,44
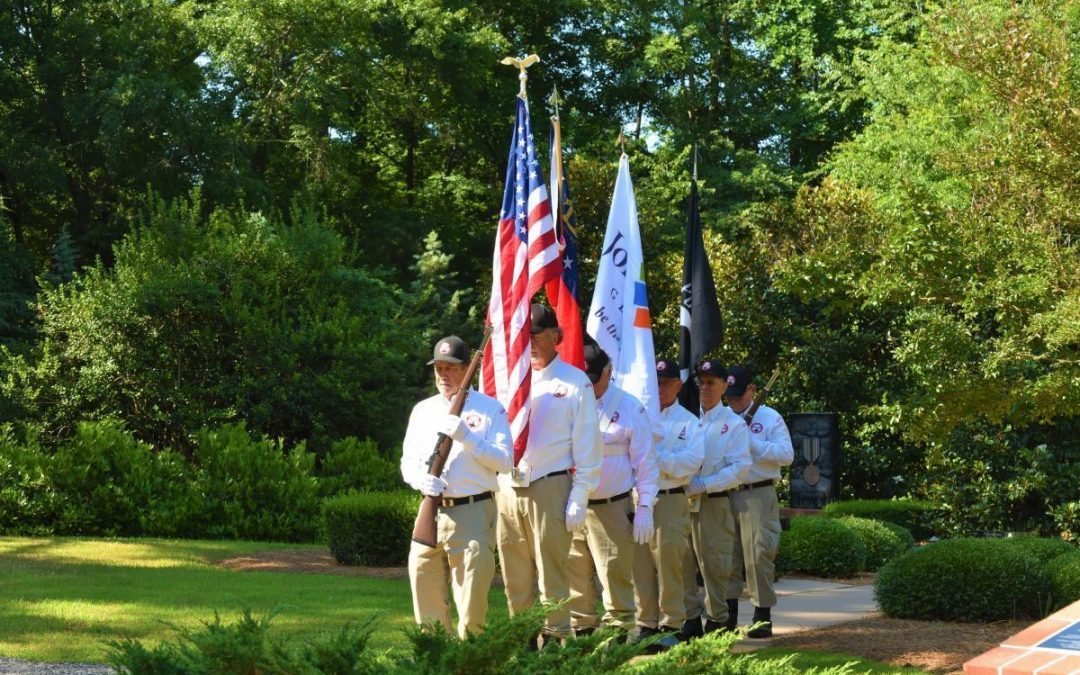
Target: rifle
x,y
759,399
425,530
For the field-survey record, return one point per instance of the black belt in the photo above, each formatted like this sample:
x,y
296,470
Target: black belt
x,y
717,494
447,502
751,486
608,500
564,472
672,491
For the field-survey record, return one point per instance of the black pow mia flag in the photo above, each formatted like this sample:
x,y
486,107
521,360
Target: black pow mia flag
x,y
701,329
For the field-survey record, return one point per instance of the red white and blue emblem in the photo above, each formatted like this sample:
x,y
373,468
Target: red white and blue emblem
x,y
756,428
560,391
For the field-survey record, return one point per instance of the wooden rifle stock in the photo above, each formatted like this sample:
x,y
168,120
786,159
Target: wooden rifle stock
x,y
425,530
749,413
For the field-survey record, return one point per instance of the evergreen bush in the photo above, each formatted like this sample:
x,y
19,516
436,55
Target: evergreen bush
x,y
1043,549
110,484
27,500
883,540
255,488
247,645
1064,573
964,580
911,514
825,547
351,464
207,319
370,528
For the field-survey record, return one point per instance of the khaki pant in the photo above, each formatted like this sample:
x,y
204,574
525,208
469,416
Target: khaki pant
x,y
608,543
534,546
757,539
712,532
462,560
658,565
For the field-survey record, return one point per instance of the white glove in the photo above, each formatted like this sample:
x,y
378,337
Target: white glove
x,y
455,427
576,510
643,524
695,487
432,486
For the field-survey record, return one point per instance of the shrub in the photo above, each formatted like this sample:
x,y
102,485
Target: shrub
x,y
255,489
1043,549
910,514
221,318
27,500
1064,573
248,646
370,528
351,464
111,484
883,540
821,546
964,580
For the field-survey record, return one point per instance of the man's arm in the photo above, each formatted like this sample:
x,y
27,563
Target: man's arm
x,y
773,443
587,445
643,456
737,453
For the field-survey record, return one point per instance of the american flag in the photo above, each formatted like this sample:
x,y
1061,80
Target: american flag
x,y
526,257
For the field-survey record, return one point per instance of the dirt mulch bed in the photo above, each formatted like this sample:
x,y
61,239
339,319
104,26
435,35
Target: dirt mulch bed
x,y
934,646
307,561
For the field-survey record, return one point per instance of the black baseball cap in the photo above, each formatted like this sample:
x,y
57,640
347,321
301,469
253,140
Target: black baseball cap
x,y
711,368
451,349
542,318
667,368
595,360
738,377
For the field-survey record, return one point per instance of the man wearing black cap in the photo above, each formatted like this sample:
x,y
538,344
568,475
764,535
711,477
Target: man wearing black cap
x,y
757,513
725,466
463,558
614,525
543,499
658,564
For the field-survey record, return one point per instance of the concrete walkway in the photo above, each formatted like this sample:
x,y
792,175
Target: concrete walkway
x,y
804,604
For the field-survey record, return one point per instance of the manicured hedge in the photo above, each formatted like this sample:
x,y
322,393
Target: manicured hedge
x,y
1065,578
370,528
910,514
1044,549
964,580
825,547
883,540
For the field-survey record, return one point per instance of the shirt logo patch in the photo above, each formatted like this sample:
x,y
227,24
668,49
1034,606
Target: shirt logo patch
x,y
615,417
724,430
561,391
473,420
756,428
682,434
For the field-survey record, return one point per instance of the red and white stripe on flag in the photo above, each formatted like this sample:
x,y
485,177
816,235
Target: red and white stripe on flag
x,y
526,257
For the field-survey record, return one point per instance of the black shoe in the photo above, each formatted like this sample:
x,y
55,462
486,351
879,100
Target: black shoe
x,y
691,629
762,615
732,623
714,626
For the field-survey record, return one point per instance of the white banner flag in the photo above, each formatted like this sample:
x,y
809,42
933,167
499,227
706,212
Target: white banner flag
x,y
619,318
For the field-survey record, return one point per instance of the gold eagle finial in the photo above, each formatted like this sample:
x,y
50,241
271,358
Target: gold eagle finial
x,y
521,64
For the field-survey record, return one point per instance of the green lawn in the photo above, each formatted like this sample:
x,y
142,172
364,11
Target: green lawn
x,y
62,599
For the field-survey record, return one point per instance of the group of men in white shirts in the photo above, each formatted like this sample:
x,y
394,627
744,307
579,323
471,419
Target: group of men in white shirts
x,y
597,495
